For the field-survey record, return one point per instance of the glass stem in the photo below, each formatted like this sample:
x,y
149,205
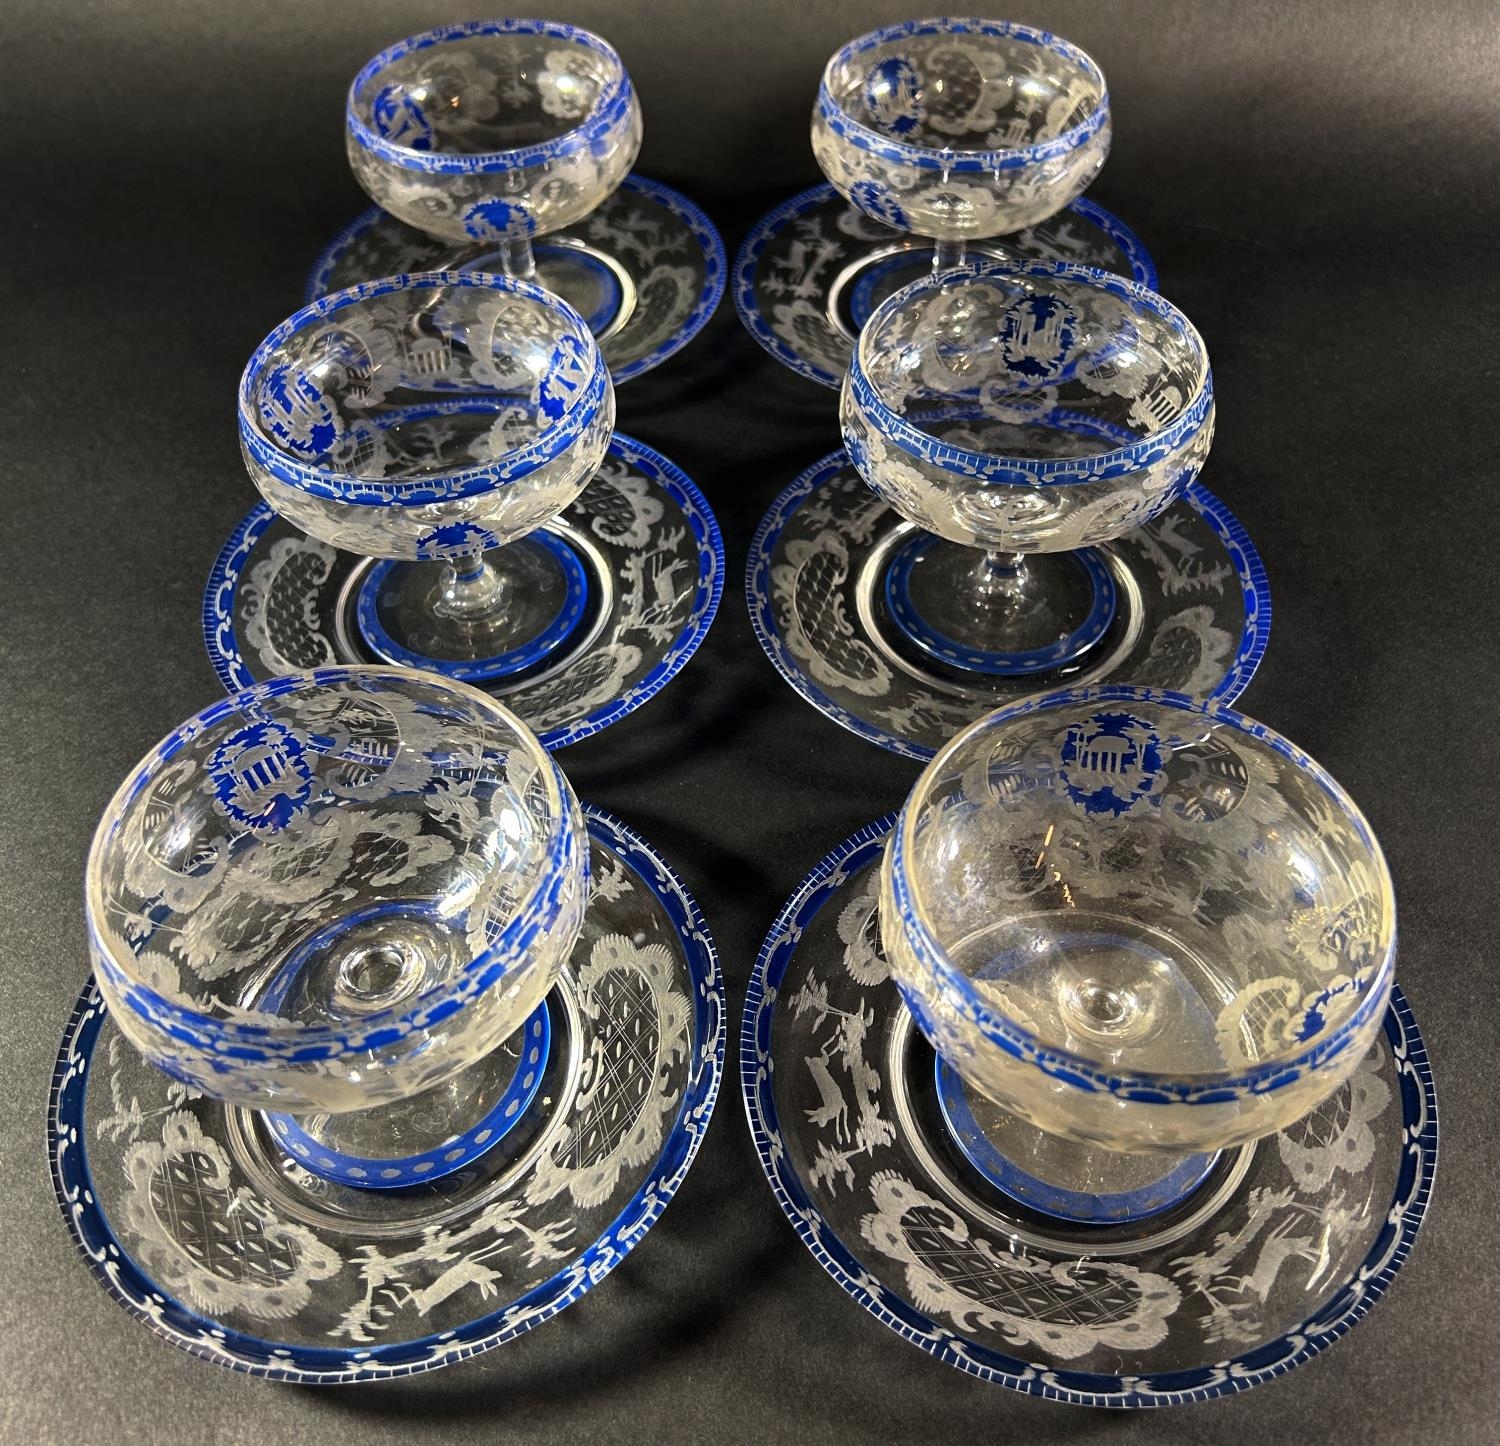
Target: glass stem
x,y
948,254
471,588
1001,576
517,259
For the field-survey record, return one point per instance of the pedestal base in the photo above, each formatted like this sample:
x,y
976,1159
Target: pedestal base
x,y
433,1134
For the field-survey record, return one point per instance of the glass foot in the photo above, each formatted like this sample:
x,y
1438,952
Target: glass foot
x,y
1005,618
595,285
432,1134
541,597
1059,1177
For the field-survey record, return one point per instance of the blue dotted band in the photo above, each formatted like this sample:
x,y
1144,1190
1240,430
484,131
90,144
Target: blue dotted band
x,y
400,1172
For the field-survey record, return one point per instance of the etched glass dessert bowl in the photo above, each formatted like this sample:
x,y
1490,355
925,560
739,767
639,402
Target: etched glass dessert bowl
x,y
437,420
495,133
392,1051
1018,417
960,130
335,891
1138,931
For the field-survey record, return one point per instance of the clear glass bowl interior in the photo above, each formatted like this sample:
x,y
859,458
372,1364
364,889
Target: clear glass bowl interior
x,y
965,86
313,851
1149,887
1068,362
420,376
482,93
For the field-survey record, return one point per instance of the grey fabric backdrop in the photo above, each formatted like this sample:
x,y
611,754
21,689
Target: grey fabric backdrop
x,y
1319,186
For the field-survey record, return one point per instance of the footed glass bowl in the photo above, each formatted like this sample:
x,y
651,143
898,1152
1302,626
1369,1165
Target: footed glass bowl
x,y
1020,415
493,130
960,129
335,890
1028,408
1139,923
431,418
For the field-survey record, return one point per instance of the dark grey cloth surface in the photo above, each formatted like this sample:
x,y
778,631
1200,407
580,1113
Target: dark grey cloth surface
x,y
1320,189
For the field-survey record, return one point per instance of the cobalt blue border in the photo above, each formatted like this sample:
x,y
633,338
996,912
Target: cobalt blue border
x,y
958,160
1146,1087
449,485
204,1338
224,580
610,110
1156,446
747,261
1360,1291
1254,587
705,233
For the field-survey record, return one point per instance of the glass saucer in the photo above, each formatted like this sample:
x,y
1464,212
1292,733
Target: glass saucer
x,y
202,1227
645,270
810,273
1192,612
633,569
1280,1249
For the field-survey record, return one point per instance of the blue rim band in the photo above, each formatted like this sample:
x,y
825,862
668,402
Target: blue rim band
x,y
536,649
1349,1305
704,232
747,260
460,482
958,160
191,1331
610,108
1254,588
224,579
1144,1087
399,1172
1053,472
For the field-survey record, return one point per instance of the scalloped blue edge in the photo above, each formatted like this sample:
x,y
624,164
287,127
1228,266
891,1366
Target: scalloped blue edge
x,y
1254,585
224,578
1142,267
1386,1256
201,1337
705,233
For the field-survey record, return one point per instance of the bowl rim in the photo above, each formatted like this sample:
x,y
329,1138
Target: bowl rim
x,y
1144,1086
442,486
960,159
610,109
313,1043
991,467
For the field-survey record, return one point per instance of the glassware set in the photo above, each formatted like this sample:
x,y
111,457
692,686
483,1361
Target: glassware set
x,y
1086,1072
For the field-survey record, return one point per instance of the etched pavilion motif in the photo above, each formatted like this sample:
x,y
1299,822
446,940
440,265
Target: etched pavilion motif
x,y
1110,763
262,776
787,266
